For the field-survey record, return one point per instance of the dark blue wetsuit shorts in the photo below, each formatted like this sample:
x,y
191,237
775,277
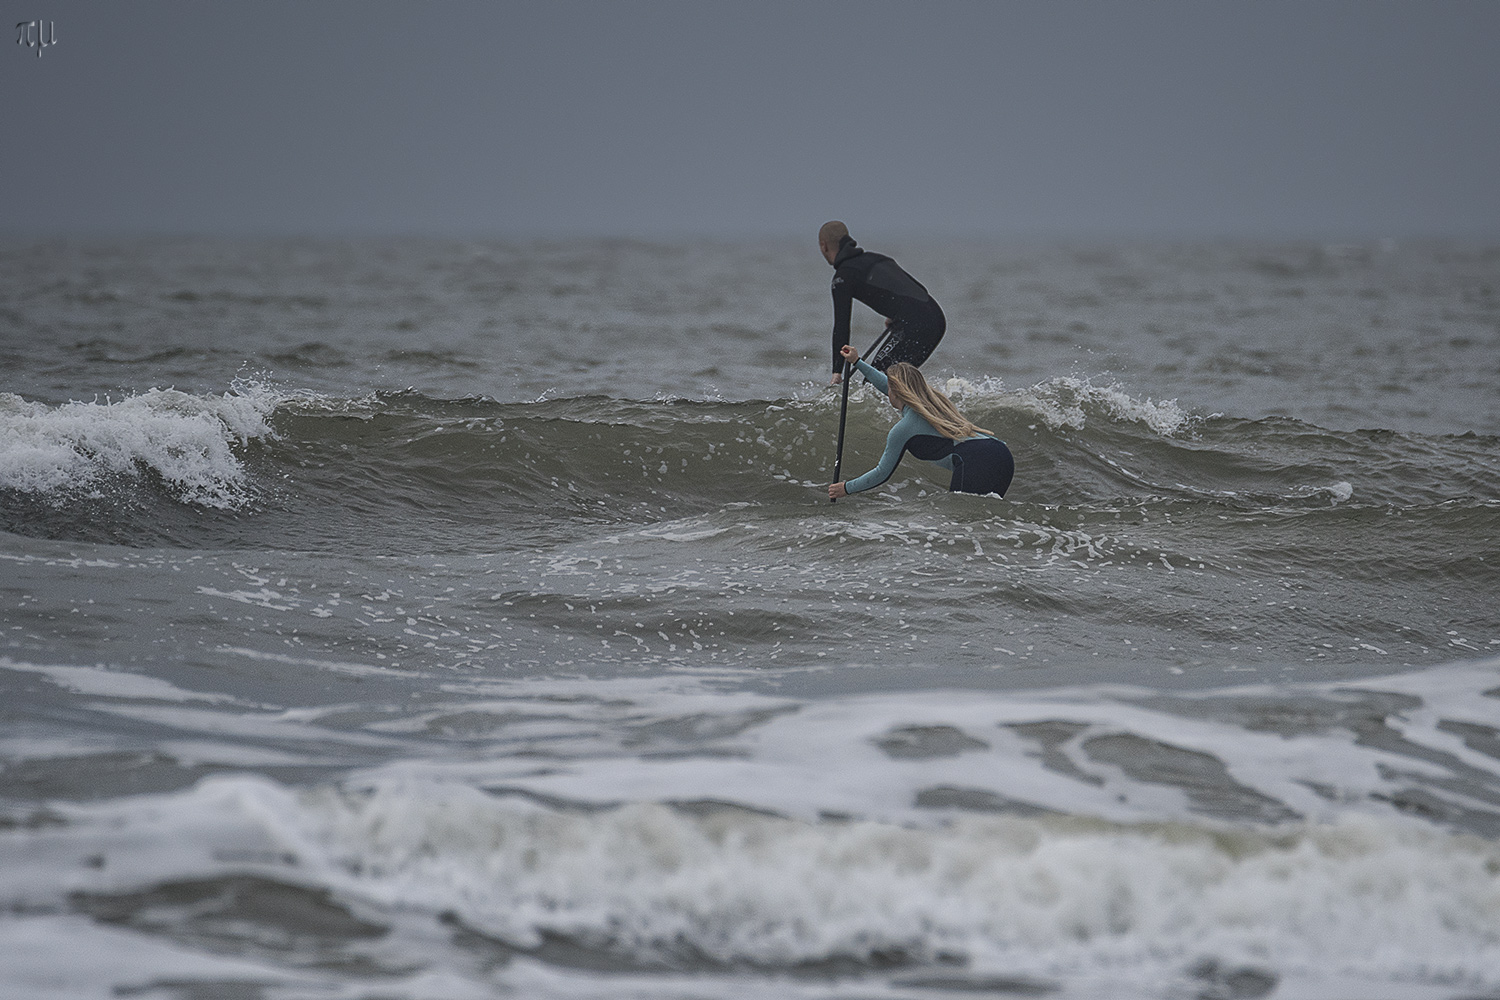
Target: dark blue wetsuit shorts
x,y
983,465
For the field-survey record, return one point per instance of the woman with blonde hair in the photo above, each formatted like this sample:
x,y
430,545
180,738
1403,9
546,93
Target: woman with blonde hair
x,y
932,429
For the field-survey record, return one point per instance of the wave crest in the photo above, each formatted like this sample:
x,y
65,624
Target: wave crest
x,y
1067,402
186,440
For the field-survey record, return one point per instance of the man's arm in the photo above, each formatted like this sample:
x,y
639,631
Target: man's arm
x,y
843,305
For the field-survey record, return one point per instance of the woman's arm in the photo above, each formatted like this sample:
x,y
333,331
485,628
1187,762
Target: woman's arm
x,y
895,446
875,376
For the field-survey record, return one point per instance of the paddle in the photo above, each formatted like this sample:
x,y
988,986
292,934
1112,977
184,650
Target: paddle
x,y
838,454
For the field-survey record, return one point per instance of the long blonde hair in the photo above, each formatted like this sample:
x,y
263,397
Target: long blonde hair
x,y
907,387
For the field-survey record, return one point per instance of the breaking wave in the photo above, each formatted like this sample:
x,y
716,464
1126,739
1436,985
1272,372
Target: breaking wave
x,y
549,862
188,442
597,459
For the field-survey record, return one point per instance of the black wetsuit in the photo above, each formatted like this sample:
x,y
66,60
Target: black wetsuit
x,y
917,324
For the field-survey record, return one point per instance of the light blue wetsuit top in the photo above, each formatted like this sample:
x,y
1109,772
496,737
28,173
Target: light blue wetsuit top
x,y
912,433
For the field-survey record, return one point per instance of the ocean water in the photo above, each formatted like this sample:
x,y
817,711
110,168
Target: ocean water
x,y
450,619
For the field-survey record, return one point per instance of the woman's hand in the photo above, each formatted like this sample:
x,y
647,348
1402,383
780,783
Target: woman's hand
x,y
836,490
850,354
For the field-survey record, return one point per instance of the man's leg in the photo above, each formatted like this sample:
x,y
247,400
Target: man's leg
x,y
913,345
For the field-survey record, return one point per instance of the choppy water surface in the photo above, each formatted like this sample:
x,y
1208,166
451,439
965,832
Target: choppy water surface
x,y
437,619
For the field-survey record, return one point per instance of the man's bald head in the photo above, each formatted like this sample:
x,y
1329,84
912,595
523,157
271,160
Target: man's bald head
x,y
831,233
829,238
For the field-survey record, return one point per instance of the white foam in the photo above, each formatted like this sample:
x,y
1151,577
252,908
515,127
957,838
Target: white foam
x,y
265,597
335,666
1126,881
1068,402
825,757
1048,897
684,530
187,440
73,958
104,682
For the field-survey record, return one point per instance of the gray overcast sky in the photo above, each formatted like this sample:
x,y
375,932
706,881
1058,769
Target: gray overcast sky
x,y
1002,119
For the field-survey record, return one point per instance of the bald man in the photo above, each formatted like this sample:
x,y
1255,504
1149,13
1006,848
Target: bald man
x,y
915,322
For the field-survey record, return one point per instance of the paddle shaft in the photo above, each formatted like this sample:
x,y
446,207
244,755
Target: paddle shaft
x,y
838,453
